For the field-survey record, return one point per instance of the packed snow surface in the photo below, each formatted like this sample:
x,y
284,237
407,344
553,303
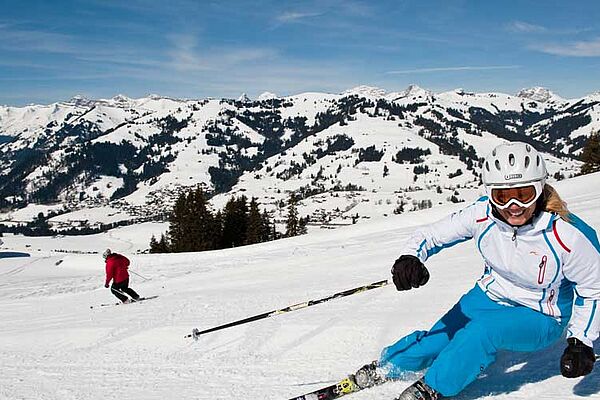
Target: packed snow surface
x,y
53,346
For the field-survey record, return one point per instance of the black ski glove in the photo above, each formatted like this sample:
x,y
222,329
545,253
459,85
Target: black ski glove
x,y
409,272
577,360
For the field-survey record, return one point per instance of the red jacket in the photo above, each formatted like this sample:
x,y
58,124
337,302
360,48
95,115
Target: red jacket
x,y
116,268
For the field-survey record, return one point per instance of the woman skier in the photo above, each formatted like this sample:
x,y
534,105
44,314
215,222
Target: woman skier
x,y
541,279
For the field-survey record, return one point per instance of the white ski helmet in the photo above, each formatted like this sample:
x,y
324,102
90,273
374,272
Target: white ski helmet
x,y
513,164
106,253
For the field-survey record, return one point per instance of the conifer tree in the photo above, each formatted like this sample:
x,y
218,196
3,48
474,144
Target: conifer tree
x,y
218,229
591,154
159,246
292,224
254,232
178,229
235,222
302,223
201,223
153,245
163,244
194,227
267,231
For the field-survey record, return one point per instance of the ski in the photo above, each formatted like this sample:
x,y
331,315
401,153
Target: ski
x,y
144,299
119,303
342,388
364,378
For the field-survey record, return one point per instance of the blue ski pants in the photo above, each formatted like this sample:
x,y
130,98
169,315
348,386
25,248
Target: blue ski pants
x,y
465,341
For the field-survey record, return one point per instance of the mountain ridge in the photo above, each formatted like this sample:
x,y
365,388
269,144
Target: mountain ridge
x,y
365,145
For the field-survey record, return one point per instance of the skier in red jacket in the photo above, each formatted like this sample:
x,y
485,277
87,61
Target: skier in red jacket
x,y
116,270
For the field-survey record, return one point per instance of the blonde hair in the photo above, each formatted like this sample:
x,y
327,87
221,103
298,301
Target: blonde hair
x,y
553,202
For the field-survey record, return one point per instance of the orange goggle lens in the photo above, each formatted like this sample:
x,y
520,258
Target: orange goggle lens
x,y
525,195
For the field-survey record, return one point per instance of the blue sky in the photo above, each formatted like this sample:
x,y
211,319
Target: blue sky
x,y
53,50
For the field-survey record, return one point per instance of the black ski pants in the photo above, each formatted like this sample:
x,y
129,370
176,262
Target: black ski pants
x,y
121,288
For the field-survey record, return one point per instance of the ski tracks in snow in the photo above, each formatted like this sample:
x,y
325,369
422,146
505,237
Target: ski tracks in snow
x,y
17,270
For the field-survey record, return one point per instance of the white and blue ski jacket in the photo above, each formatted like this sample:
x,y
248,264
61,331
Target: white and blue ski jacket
x,y
549,265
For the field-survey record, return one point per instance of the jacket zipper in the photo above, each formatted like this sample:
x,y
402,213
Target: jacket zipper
x,y
550,298
542,270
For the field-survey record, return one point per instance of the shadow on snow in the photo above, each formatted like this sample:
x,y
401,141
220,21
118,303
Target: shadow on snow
x,y
512,371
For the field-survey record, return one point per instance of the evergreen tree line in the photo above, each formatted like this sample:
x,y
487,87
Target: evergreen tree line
x,y
193,226
591,154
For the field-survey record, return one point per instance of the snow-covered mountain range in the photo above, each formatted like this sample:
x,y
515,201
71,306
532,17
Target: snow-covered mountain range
x,y
360,154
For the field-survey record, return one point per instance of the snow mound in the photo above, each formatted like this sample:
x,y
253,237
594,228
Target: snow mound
x,y
267,96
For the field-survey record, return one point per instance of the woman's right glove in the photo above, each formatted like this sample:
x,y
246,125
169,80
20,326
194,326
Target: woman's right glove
x,y
577,360
409,272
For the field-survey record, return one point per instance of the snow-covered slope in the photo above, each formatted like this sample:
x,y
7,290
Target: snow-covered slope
x,y
52,346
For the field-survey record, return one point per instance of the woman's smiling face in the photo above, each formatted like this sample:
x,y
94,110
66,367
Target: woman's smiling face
x,y
516,215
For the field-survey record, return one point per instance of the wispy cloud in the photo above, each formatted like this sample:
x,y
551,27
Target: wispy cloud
x,y
335,9
20,41
586,48
185,54
188,55
294,16
34,40
525,27
64,77
283,79
450,69
12,63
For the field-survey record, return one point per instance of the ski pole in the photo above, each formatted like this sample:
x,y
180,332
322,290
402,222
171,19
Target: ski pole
x,y
141,276
195,332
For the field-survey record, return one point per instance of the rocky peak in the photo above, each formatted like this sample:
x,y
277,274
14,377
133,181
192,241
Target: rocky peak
x,y
80,101
539,94
415,91
121,98
365,91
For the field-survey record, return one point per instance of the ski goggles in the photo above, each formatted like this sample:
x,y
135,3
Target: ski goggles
x,y
524,196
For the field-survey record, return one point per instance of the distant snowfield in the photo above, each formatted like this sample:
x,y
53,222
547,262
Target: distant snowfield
x,y
53,346
128,239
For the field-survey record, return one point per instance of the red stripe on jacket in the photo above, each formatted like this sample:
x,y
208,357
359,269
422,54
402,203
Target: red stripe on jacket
x,y
558,238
